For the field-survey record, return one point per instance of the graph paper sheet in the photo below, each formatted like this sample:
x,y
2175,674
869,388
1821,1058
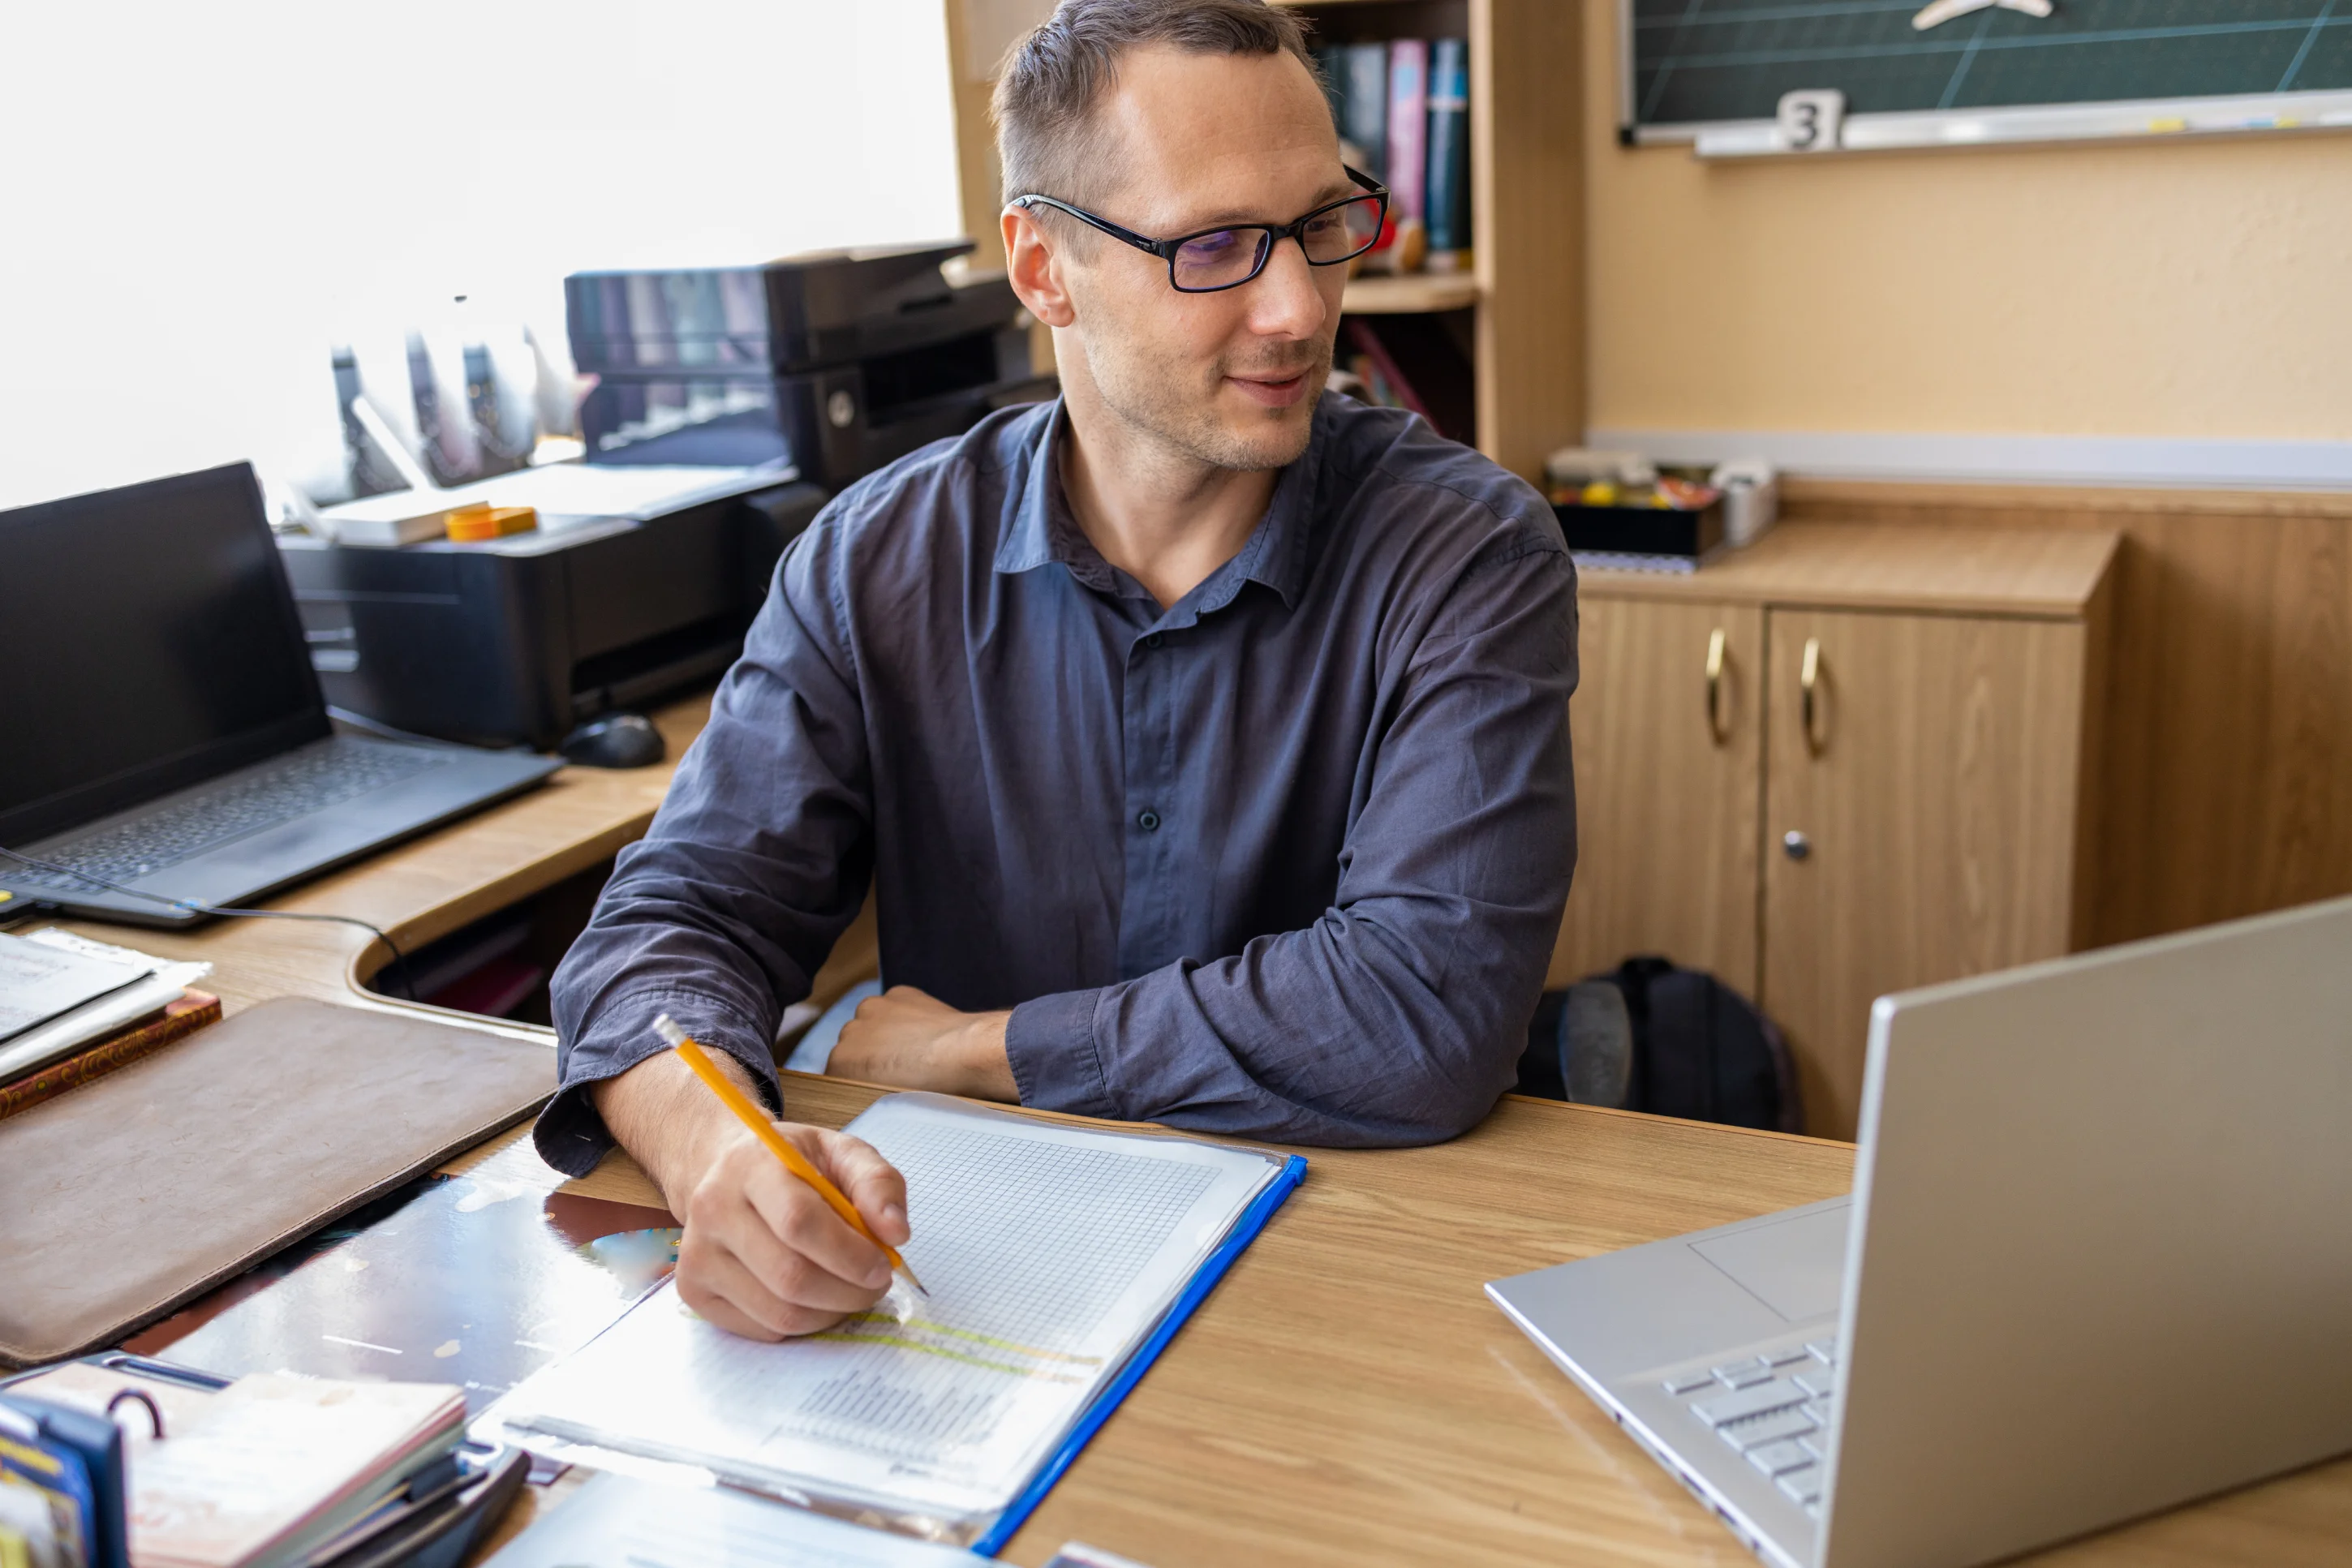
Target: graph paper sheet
x,y
1050,1253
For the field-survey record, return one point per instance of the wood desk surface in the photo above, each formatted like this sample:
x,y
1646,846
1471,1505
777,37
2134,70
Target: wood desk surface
x,y
1347,1396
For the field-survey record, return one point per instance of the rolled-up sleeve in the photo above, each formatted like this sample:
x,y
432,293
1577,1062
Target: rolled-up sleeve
x,y
1398,1017
758,859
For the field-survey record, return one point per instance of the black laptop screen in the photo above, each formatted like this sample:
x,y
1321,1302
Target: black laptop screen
x,y
148,640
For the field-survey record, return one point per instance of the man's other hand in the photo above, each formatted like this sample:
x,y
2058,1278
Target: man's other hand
x,y
911,1040
763,1256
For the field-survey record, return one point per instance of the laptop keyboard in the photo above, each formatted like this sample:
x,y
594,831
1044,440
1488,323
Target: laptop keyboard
x,y
295,786
1773,1410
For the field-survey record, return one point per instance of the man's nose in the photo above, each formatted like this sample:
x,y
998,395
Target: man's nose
x,y
1285,302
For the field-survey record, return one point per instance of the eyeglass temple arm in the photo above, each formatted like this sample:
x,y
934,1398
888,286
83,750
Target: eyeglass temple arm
x,y
1115,231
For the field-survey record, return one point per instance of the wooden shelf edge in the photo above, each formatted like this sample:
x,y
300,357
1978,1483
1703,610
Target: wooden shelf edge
x,y
1377,295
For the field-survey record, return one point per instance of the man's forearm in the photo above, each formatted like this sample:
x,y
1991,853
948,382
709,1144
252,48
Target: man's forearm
x,y
910,1039
667,1120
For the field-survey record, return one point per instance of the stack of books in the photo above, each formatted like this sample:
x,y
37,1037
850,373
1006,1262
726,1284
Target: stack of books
x,y
271,1471
72,1010
1403,112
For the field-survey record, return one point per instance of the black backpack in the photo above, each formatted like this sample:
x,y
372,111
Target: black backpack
x,y
1676,1042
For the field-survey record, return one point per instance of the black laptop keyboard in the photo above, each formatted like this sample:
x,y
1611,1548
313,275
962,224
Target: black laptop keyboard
x,y
300,784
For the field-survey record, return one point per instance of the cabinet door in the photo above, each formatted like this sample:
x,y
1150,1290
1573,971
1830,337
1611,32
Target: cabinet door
x,y
1667,788
1935,794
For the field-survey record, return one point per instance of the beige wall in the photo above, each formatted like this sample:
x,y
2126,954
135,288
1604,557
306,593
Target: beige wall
x,y
2175,290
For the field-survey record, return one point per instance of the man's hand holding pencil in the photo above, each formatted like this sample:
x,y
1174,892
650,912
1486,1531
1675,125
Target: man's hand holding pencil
x,y
765,1254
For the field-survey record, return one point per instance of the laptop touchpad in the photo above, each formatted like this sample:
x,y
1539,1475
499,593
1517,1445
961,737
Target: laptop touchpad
x,y
1795,1266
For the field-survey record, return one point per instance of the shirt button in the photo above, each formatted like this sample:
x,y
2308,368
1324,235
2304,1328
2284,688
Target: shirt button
x,y
1153,640
1148,821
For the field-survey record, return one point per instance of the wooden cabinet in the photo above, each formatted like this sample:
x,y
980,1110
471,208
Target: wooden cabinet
x,y
1670,693
1847,762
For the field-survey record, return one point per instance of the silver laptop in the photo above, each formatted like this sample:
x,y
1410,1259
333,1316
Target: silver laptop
x,y
164,744
2097,1262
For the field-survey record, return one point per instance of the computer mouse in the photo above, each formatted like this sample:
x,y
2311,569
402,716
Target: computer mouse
x,y
616,740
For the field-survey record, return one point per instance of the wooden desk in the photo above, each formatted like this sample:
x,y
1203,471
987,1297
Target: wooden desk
x,y
1347,1396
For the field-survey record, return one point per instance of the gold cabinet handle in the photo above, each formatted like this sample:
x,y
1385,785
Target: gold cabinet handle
x,y
1809,680
1716,729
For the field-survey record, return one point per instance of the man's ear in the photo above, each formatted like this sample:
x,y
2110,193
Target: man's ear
x,y
1035,263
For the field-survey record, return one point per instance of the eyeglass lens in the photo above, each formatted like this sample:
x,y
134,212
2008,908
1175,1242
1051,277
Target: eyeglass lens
x,y
1228,256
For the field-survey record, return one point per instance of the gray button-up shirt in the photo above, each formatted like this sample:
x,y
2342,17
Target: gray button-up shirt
x,y
1286,859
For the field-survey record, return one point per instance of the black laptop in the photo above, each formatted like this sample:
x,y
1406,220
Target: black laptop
x,y
161,727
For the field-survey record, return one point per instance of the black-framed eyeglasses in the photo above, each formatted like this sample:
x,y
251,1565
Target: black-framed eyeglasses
x,y
1207,260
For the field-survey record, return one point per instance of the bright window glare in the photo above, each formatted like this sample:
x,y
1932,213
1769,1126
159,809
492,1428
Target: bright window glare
x,y
201,201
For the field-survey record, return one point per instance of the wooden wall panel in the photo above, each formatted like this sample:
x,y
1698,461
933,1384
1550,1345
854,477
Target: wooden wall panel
x,y
2227,778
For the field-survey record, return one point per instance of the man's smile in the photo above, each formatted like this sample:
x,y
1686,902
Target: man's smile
x,y
1273,391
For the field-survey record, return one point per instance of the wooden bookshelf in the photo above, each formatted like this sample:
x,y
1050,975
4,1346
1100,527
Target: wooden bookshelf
x,y
1411,294
1525,292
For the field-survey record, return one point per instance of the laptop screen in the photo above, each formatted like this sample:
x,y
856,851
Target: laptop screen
x,y
148,640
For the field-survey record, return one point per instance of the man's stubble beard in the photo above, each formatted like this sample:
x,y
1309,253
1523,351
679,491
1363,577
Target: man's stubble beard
x,y
1167,409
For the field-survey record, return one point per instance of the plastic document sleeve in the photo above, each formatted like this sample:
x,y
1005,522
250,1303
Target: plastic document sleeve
x,y
1060,1261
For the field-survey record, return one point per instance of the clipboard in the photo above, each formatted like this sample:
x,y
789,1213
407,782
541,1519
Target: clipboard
x,y
1057,1255
1204,1279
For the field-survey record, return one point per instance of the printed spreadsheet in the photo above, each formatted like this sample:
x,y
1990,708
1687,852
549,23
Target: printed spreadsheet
x,y
1049,1251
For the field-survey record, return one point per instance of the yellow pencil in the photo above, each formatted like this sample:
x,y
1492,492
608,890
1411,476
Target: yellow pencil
x,y
735,1100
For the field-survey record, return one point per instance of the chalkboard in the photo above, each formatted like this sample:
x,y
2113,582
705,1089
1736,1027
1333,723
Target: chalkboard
x,y
1708,61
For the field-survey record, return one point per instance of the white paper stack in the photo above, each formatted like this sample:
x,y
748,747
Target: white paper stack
x,y
145,985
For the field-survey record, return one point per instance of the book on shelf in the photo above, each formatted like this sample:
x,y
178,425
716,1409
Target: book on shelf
x,y
1373,365
1446,198
1402,109
1408,151
1363,104
1408,126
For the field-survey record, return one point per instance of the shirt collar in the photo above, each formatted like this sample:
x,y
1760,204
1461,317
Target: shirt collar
x,y
1043,531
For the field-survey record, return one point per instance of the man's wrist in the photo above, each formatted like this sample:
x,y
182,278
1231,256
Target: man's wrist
x,y
985,1069
669,1123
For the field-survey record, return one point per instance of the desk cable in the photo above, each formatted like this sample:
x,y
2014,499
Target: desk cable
x,y
399,959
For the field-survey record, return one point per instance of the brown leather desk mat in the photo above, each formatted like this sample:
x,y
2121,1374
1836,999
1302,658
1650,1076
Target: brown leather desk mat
x,y
129,1195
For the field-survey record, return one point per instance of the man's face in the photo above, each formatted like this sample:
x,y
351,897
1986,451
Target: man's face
x,y
1228,379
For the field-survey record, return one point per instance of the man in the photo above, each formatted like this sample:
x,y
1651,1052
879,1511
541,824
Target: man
x,y
1204,738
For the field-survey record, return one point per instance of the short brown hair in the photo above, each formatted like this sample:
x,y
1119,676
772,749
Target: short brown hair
x,y
1045,95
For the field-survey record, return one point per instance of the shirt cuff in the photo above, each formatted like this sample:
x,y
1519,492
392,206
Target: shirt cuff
x,y
1050,1045
570,1133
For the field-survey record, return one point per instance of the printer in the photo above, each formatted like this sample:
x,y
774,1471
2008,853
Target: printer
x,y
729,404
835,364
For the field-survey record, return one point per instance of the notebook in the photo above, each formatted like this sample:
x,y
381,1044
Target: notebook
x,y
266,1470
129,985
39,983
1059,1259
